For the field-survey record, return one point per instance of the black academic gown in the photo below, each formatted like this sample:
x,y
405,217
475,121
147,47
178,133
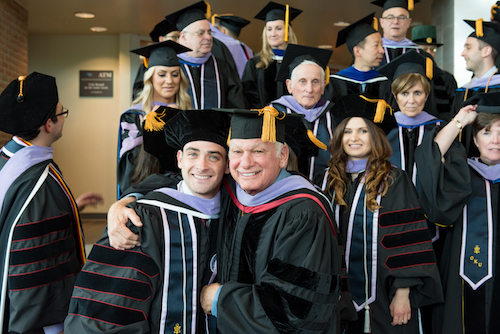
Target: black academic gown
x,y
259,85
279,265
449,187
153,288
221,86
44,249
403,251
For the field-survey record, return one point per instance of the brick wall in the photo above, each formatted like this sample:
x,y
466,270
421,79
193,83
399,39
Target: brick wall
x,y
13,46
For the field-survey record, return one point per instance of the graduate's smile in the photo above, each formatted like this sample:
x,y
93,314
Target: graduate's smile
x,y
356,139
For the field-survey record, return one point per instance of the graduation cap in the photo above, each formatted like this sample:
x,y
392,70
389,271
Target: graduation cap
x,y
386,4
488,32
424,35
154,137
163,53
274,11
357,31
486,102
161,29
411,62
233,23
376,110
184,17
193,125
27,102
296,54
495,12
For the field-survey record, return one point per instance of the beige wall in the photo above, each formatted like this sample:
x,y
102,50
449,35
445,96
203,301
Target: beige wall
x,y
86,153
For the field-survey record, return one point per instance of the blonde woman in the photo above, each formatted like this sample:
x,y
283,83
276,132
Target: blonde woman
x,y
165,86
258,78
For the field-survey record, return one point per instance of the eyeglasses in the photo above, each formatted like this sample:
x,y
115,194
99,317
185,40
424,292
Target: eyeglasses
x,y
200,33
400,18
429,49
64,113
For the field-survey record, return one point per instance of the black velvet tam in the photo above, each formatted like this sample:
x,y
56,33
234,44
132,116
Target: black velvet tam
x,y
184,17
274,11
356,32
193,125
296,54
27,103
163,53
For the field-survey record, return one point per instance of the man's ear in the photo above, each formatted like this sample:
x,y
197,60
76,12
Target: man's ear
x,y
179,159
285,151
289,85
48,126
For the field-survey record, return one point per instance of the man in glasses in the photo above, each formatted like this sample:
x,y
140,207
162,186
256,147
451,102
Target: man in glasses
x,y
395,22
212,82
42,249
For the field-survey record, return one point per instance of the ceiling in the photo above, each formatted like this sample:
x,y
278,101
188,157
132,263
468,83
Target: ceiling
x,y
313,27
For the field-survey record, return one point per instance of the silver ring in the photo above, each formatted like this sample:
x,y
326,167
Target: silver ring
x,y
402,321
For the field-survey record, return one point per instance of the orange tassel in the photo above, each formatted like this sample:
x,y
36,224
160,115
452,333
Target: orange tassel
x,y
146,62
229,137
382,105
213,19
20,97
316,141
153,121
287,21
209,11
494,11
327,75
269,123
429,68
375,23
411,4
479,28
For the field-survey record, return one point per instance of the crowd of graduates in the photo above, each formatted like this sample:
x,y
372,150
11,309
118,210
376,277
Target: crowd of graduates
x,y
363,201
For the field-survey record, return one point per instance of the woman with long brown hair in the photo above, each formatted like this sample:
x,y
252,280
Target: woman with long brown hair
x,y
389,258
165,87
258,79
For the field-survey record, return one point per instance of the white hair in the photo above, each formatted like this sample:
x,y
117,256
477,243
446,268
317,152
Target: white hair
x,y
305,62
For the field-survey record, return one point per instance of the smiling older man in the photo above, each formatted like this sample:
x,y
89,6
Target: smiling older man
x,y
278,261
303,70
212,82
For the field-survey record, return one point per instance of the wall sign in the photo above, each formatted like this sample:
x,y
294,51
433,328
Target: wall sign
x,y
96,83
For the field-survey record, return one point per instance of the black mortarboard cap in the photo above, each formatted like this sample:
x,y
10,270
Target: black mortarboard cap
x,y
488,32
296,54
386,4
356,32
161,29
274,11
424,35
154,137
27,102
411,62
486,102
193,125
233,23
266,123
184,17
376,110
163,53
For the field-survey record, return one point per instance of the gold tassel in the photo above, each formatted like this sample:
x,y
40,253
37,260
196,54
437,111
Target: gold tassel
x,y
287,21
213,19
479,28
316,141
429,68
228,137
209,11
153,121
327,75
269,123
494,11
146,62
20,97
411,4
382,105
375,23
